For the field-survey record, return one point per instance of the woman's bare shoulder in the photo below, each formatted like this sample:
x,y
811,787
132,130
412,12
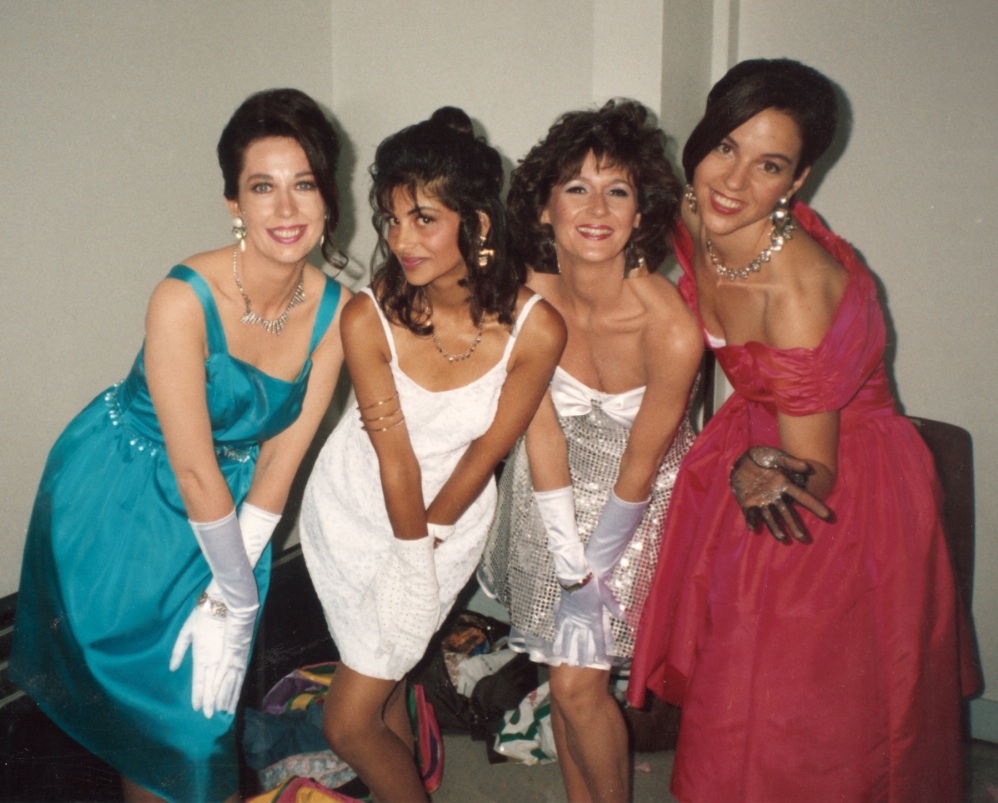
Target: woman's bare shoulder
x,y
543,320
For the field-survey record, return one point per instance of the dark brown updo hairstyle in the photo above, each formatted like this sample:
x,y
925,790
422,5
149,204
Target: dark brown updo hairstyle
x,y
443,158
618,135
750,87
293,114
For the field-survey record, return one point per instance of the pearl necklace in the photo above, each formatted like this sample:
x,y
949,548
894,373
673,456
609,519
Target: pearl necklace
x,y
777,238
275,326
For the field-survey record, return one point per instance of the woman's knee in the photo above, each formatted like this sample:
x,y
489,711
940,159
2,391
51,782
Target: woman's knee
x,y
577,688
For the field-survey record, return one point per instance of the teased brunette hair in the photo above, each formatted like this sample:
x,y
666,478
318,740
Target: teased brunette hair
x,y
618,135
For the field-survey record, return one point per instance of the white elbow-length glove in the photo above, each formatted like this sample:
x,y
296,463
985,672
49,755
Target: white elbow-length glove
x,y
612,534
407,603
220,629
581,624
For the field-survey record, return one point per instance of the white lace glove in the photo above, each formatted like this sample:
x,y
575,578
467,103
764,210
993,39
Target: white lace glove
x,y
610,538
440,532
407,602
219,671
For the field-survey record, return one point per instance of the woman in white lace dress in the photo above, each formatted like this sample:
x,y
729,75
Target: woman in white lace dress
x,y
449,356
583,497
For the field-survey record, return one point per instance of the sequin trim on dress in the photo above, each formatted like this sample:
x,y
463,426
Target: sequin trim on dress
x,y
116,416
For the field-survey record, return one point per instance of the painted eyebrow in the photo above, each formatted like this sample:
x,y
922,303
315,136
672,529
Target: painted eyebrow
x,y
268,177
730,139
421,209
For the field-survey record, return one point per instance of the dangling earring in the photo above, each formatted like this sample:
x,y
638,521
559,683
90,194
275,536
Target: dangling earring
x,y
691,198
781,215
484,254
239,232
635,265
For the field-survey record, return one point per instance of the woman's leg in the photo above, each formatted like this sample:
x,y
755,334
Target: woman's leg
x,y
590,735
362,723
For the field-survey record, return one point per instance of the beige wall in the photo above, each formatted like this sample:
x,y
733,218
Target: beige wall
x,y
111,108
109,115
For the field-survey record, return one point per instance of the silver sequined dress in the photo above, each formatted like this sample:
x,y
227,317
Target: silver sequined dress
x,y
517,568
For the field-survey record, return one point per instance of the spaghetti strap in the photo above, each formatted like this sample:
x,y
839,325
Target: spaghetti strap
x,y
213,324
528,305
327,311
518,325
384,323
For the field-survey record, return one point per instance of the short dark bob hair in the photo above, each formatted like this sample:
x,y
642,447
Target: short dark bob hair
x,y
286,113
750,87
618,135
443,158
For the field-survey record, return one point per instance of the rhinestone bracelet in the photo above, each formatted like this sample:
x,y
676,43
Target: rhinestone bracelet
x,y
213,607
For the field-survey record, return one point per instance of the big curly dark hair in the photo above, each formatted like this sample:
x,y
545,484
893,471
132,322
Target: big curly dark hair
x,y
442,157
618,135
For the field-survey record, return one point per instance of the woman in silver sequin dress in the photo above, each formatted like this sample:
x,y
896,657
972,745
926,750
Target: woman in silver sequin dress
x,y
584,494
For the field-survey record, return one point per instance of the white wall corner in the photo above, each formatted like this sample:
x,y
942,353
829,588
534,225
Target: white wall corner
x,y
724,46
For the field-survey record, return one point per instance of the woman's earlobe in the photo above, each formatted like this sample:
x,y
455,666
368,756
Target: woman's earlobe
x,y
484,223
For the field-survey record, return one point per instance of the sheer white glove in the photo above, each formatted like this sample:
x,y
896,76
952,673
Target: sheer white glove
x,y
407,602
610,538
219,670
557,509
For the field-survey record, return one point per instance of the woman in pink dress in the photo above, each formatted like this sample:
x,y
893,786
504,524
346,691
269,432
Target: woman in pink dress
x,y
819,660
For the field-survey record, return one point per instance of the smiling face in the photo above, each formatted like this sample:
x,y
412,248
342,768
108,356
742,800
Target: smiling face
x,y
593,214
422,232
740,181
278,200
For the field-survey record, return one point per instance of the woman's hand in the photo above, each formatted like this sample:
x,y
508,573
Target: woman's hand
x,y
407,602
765,481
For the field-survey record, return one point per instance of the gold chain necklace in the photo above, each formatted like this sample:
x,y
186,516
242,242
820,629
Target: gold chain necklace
x,y
440,346
275,326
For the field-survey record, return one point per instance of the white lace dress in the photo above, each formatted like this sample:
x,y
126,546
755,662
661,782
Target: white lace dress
x,y
345,532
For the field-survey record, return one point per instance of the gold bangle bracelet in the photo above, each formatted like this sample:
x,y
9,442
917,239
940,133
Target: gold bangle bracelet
x,y
379,403
382,429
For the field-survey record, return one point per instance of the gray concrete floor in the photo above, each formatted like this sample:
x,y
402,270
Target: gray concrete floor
x,y
469,778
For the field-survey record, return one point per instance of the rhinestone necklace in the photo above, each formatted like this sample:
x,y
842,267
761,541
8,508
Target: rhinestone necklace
x,y
275,326
454,357
777,238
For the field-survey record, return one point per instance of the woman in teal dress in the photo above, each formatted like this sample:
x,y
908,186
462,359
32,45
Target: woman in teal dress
x,y
139,598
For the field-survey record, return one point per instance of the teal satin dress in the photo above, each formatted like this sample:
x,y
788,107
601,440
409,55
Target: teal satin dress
x,y
111,569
